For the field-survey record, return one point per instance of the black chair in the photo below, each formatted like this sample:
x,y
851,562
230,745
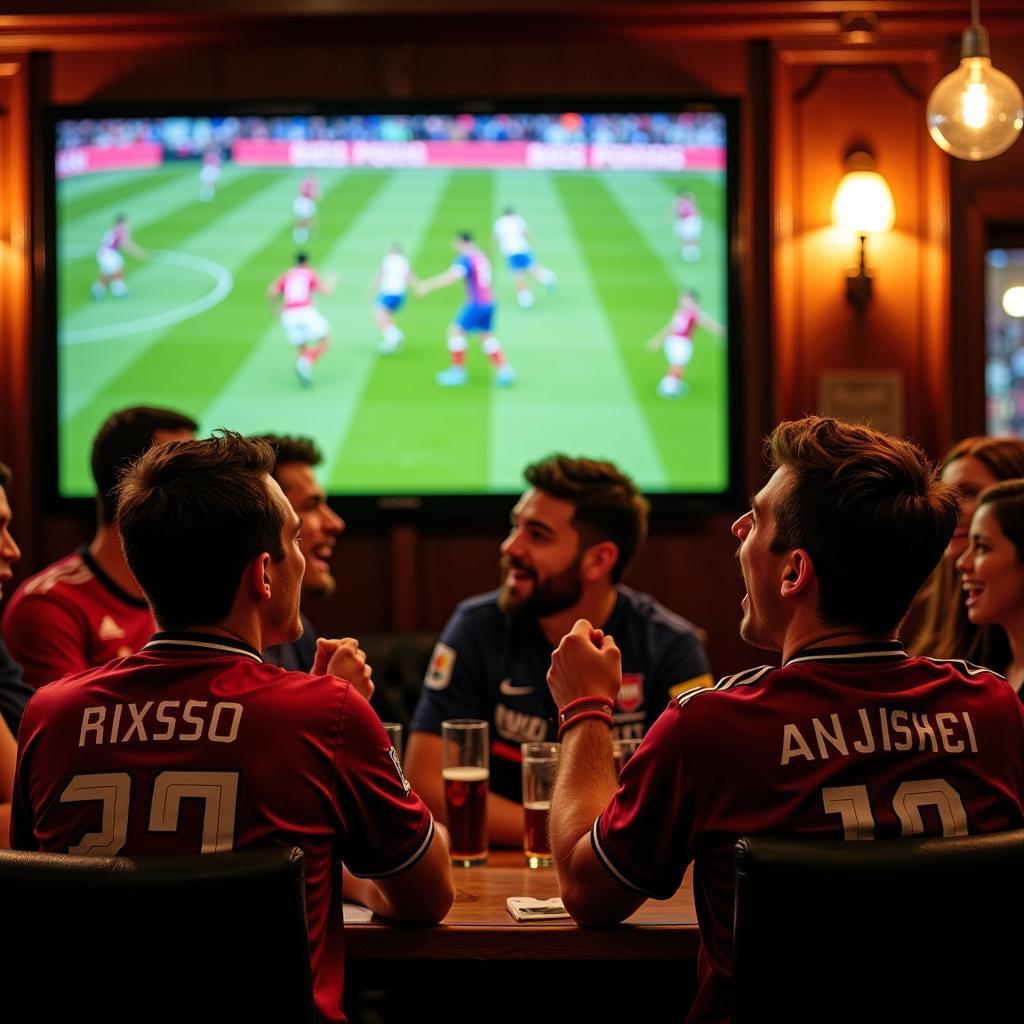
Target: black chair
x,y
893,930
219,937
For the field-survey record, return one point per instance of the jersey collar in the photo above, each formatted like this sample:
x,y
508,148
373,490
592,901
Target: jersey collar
x,y
184,641
883,650
119,592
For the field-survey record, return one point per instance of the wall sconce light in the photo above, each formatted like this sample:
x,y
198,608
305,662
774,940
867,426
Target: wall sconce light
x,y
863,206
976,111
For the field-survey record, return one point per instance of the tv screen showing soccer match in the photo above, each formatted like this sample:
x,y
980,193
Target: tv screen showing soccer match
x,y
436,298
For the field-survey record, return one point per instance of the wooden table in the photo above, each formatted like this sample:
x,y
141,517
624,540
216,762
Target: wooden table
x,y
479,925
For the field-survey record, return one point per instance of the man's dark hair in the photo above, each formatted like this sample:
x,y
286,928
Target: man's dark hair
x,y
868,509
464,236
301,258
193,515
289,448
5,475
122,438
607,504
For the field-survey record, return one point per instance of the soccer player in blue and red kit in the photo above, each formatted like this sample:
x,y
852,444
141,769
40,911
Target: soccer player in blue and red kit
x,y
849,739
476,316
261,756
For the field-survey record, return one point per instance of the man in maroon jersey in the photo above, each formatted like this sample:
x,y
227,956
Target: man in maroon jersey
x,y
87,608
195,745
849,739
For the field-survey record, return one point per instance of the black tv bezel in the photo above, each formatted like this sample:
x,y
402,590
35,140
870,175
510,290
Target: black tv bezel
x,y
397,507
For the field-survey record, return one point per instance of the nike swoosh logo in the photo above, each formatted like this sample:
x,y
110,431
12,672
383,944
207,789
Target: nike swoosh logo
x,y
509,690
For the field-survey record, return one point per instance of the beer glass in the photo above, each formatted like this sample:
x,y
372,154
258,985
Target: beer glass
x,y
540,763
394,731
623,750
466,773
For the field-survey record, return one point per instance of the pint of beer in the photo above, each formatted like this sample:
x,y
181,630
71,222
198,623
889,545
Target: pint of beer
x,y
466,771
540,764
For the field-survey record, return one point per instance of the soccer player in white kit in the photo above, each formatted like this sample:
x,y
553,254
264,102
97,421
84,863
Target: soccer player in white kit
x,y
304,325
304,208
111,262
513,238
390,286
688,226
677,339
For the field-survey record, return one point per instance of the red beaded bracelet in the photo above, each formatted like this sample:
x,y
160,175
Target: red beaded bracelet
x,y
568,723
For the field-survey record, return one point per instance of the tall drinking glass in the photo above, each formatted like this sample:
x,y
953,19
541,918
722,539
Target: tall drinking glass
x,y
466,772
540,764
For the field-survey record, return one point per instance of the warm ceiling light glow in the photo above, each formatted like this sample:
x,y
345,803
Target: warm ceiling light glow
x,y
863,203
1013,301
975,112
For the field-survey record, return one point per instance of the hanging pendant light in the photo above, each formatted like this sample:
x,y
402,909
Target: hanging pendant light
x,y
975,112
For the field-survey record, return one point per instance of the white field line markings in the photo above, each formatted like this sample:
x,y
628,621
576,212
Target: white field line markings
x,y
223,283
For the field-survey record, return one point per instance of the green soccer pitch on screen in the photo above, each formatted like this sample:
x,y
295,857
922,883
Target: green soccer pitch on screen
x,y
437,298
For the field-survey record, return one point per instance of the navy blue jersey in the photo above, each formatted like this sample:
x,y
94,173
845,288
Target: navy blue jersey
x,y
494,666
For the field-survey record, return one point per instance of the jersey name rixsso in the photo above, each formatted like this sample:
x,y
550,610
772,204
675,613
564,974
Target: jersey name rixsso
x,y
166,720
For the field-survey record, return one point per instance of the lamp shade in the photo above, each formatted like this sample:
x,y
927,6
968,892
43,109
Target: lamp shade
x,y
863,203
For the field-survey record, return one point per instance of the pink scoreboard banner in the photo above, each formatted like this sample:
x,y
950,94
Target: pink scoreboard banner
x,y
89,159
539,156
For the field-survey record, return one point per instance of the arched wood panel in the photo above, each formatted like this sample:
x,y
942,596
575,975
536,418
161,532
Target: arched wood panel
x,y
827,104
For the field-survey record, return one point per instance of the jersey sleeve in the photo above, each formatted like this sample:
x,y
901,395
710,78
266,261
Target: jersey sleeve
x,y
23,832
46,638
461,267
14,691
455,683
644,837
387,826
686,665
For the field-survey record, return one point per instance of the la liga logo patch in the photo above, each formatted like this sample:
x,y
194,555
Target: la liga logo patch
x,y
439,671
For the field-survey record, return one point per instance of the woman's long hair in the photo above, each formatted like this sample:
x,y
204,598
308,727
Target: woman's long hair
x,y
945,630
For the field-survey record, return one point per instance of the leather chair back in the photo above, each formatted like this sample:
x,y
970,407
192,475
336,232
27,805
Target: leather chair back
x,y
218,937
888,930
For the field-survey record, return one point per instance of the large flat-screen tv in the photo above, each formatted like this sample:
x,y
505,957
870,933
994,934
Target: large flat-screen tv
x,y
437,295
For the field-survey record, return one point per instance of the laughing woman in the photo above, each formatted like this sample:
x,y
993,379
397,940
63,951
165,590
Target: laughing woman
x,y
992,569
943,629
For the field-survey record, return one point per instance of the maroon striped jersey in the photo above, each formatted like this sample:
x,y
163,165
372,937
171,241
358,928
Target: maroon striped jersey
x,y
841,742
195,745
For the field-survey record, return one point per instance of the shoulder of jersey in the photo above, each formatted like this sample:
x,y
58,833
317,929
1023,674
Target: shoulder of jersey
x,y
967,667
727,684
71,571
306,685
480,606
656,611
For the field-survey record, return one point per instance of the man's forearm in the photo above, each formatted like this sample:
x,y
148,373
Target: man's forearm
x,y
586,782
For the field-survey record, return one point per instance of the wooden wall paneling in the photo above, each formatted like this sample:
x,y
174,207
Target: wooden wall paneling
x,y
983,193
15,289
826,103
989,205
